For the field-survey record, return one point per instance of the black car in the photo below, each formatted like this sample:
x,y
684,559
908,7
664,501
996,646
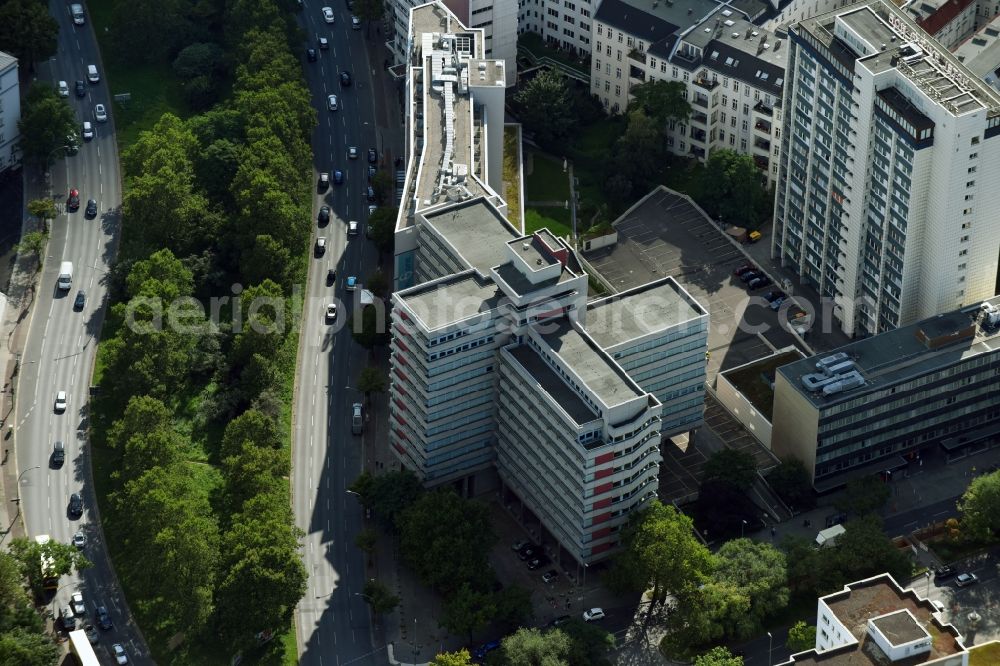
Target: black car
x,y
836,519
774,295
537,562
372,156
58,455
75,505
371,172
528,553
81,89
324,216
345,79
749,275
331,276
562,619
103,618
91,211
759,282
942,573
370,193
311,54
80,300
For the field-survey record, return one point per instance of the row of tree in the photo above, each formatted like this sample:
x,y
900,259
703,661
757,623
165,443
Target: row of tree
x,y
202,333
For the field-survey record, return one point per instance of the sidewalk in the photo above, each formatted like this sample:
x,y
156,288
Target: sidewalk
x,y
13,331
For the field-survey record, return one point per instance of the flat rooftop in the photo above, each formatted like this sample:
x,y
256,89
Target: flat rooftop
x,y
592,365
452,299
981,52
900,628
476,230
653,307
553,384
898,355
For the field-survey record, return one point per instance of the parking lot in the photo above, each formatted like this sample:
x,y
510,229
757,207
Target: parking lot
x,y
665,234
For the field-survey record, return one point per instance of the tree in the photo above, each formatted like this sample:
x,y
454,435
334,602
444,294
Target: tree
x,y
379,597
149,32
734,189
365,540
467,611
737,468
198,59
146,436
639,153
43,209
377,283
382,227
758,571
661,550
369,331
253,427
33,243
382,184
460,658
532,647
663,100
790,480
28,32
371,380
700,615
63,556
801,637
544,106
388,494
369,11
863,550
864,496
21,647
46,119
589,644
513,606
980,507
722,508
718,656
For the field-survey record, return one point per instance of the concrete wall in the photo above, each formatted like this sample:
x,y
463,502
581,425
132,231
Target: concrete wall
x,y
743,410
795,425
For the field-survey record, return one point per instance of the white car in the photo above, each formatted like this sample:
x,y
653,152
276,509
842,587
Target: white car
x,y
60,402
352,152
331,102
331,313
324,44
593,614
352,228
328,15
120,655
79,539
100,113
371,209
320,245
88,130
938,606
76,600
63,89
966,579
355,23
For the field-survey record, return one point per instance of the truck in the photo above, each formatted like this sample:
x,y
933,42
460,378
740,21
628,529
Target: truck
x,y
50,580
65,276
76,11
80,647
828,538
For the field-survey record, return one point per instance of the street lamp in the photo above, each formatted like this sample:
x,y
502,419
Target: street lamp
x,y
927,575
743,528
770,644
17,500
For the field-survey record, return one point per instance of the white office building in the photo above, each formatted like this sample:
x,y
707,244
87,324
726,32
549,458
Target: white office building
x,y
10,113
889,179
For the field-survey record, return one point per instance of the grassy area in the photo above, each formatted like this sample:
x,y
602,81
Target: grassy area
x,y
512,175
593,145
754,381
153,88
985,655
547,180
556,220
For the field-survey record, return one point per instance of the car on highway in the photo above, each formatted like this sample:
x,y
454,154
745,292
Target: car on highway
x,y
352,283
63,89
92,634
58,455
80,301
331,313
79,539
324,216
593,614
103,618
331,103
324,181
328,15
355,23
550,576
345,79
370,194
352,153
352,228
331,276
61,401
67,618
371,209
320,246
371,172
120,656
966,579
73,200
91,211
75,509
81,88
100,113
88,130
338,177
372,156
311,54
324,44
76,601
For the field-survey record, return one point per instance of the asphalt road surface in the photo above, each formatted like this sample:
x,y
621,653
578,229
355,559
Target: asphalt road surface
x,y
61,343
333,620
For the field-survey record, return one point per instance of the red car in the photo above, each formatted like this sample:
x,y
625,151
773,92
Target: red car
x,y
74,199
745,268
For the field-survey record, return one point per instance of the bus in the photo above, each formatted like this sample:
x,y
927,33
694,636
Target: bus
x,y
80,647
50,581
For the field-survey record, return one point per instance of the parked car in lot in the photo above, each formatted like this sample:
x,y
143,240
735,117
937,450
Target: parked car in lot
x,y
76,600
562,619
776,303
550,576
759,282
836,519
518,545
943,573
537,562
68,619
324,216
749,275
966,579
92,634
530,551
593,614
774,295
745,268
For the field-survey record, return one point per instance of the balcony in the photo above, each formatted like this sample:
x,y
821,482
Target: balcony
x,y
636,73
760,107
698,134
698,152
762,144
699,117
707,84
637,55
763,126
761,162
700,100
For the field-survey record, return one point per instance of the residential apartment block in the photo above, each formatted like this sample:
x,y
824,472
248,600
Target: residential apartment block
x,y
562,23
877,403
889,173
10,113
876,622
497,377
733,70
950,22
981,53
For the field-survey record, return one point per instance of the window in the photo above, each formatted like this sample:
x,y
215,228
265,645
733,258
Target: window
x,y
746,125
972,169
973,156
966,225
963,239
674,74
968,197
618,90
966,211
619,55
607,86
736,86
743,144
975,141
961,267
618,72
600,31
746,109
725,102
962,253
970,183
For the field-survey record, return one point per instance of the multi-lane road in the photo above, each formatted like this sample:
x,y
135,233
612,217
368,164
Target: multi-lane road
x,y
61,342
333,621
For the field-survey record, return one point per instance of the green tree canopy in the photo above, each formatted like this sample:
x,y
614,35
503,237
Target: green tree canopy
x,y
369,330
43,209
662,100
379,597
64,557
251,427
162,275
382,227
733,188
371,380
589,643
28,32
801,637
758,571
980,507
718,656
544,105
389,494
791,481
533,647
863,496
46,119
198,59
33,243
20,647
737,468
467,611
459,658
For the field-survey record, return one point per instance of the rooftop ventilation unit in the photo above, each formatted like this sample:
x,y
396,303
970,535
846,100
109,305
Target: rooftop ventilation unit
x,y
844,383
831,360
815,382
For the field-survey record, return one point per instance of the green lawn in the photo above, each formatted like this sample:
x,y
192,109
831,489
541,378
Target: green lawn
x,y
547,180
153,88
590,155
556,220
985,655
512,175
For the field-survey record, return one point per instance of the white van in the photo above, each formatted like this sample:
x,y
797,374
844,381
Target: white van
x,y
65,276
88,130
76,11
92,74
352,228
